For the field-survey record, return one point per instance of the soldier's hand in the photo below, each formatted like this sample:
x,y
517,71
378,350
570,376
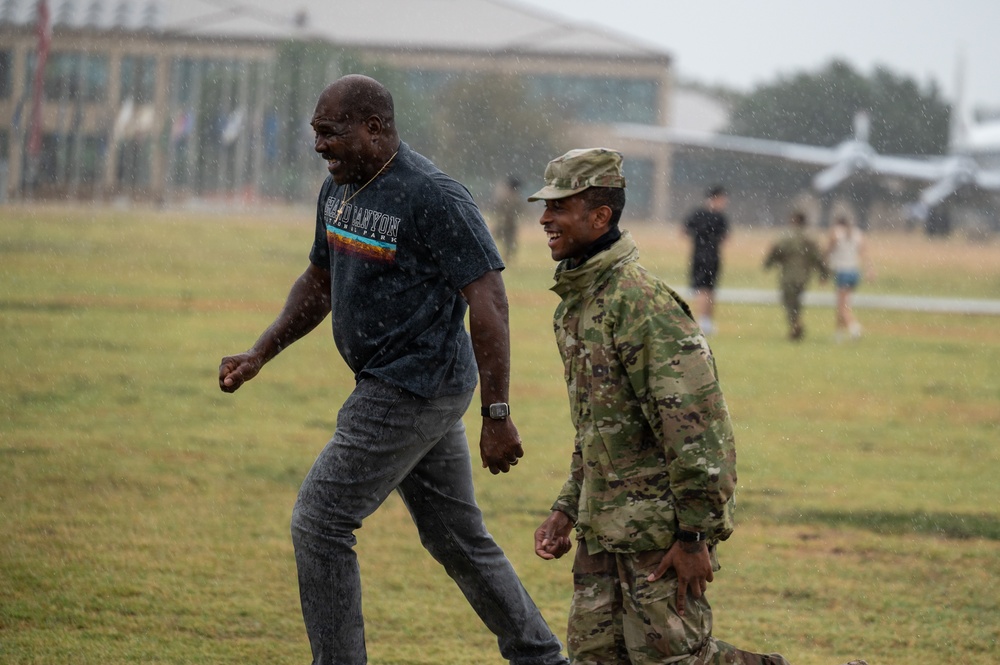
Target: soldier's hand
x,y
693,567
500,445
552,538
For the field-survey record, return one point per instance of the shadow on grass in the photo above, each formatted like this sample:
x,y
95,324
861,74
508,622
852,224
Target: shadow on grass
x,y
943,525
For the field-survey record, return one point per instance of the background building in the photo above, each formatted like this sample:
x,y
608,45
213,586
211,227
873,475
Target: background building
x,y
166,101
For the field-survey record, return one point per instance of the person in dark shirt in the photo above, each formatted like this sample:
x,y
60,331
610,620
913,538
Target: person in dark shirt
x,y
400,253
707,227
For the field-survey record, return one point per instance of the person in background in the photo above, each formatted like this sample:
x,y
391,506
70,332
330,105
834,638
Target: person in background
x,y
846,256
707,227
798,256
507,203
653,470
400,254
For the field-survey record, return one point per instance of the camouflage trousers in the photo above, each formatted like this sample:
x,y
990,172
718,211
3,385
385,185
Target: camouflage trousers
x,y
791,299
618,617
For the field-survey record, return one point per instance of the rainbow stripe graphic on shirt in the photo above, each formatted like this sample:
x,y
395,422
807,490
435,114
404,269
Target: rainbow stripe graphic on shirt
x,y
349,244
361,232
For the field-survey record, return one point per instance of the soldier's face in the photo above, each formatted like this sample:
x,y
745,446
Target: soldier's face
x,y
570,227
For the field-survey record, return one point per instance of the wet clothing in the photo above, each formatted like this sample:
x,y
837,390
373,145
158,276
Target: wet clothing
x,y
845,250
707,230
654,446
845,257
620,618
654,452
398,252
798,257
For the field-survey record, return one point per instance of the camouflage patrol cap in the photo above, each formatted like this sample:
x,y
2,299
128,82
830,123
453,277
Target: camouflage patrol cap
x,y
579,169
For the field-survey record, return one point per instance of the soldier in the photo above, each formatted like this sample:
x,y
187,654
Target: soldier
x,y
799,256
507,203
653,471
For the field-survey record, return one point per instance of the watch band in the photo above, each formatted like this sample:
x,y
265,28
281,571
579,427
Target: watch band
x,y
496,411
690,536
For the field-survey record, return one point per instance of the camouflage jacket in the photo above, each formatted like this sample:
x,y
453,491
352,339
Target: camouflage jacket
x,y
798,255
654,446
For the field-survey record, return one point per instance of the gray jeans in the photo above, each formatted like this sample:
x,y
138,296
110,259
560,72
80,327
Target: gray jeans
x,y
388,439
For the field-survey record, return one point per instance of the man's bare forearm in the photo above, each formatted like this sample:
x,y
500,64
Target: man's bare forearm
x,y
490,332
308,303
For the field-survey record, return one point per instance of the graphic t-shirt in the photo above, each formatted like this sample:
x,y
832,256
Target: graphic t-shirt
x,y
398,254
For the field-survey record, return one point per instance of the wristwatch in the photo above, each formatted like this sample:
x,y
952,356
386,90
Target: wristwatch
x,y
690,536
498,411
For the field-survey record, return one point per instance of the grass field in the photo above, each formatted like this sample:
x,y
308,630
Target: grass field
x,y
144,514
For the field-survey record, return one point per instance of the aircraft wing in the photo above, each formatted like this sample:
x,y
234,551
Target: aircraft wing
x,y
796,152
988,180
943,175
913,168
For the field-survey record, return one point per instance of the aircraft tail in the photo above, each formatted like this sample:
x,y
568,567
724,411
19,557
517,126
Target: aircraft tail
x,y
960,119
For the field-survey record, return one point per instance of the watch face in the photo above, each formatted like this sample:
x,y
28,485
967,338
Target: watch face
x,y
498,411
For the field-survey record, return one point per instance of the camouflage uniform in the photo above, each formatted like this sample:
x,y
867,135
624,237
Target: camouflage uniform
x,y
798,255
654,452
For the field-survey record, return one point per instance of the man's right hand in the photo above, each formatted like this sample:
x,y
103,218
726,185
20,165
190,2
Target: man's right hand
x,y
237,370
552,537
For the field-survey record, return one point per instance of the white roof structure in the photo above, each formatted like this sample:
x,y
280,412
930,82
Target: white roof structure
x,y
490,26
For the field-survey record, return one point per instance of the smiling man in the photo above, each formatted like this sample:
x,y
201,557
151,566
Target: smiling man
x,y
650,489
400,253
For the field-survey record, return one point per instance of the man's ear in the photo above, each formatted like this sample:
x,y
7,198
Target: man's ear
x,y
374,125
600,217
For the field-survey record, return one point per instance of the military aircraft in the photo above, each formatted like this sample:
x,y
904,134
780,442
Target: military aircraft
x,y
971,148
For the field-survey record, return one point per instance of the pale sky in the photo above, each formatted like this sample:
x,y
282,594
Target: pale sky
x,y
742,43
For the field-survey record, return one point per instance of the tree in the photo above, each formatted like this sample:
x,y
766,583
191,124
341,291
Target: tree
x,y
819,109
489,127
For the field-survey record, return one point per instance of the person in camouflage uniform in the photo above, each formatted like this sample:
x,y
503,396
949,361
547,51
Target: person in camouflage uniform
x,y
653,471
799,256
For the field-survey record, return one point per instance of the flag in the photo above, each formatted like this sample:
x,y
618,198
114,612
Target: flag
x,y
123,121
182,125
43,31
234,123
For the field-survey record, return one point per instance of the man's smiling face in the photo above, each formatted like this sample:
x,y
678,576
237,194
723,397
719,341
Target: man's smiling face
x,y
570,226
344,142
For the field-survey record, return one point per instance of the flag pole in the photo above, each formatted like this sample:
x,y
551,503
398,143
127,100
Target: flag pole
x,y
43,31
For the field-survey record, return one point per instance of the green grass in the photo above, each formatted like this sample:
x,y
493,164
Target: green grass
x,y
145,514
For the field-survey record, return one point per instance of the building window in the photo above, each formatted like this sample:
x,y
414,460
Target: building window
x,y
5,73
138,78
640,176
74,75
600,99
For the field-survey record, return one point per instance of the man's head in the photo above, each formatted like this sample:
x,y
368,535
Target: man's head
x,y
716,198
355,128
798,219
584,196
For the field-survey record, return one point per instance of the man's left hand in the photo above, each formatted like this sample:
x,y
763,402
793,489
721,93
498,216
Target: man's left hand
x,y
693,567
500,445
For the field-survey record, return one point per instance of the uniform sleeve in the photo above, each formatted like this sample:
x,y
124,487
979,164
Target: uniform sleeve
x,y
672,372
569,496
773,256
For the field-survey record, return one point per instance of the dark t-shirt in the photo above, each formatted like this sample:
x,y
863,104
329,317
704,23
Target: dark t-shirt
x,y
707,229
398,254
